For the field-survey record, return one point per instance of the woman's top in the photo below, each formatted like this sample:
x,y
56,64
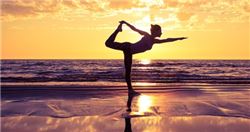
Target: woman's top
x,y
143,45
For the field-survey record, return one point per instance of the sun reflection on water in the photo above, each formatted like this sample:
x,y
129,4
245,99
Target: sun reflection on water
x,y
144,84
145,61
144,103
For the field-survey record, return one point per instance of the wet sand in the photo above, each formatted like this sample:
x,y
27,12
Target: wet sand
x,y
102,124
178,107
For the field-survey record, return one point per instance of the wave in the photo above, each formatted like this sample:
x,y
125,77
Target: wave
x,y
112,70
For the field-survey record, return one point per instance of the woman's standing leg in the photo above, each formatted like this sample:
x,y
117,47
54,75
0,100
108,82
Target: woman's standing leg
x,y
128,57
128,65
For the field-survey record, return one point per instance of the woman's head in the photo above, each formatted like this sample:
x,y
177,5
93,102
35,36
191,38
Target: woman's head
x,y
155,30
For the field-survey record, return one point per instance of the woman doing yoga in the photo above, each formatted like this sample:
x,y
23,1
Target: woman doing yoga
x,y
146,43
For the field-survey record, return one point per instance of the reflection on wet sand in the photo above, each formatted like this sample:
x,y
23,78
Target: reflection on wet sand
x,y
144,103
128,125
138,124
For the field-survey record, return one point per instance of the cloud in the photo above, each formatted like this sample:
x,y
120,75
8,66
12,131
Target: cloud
x,y
14,9
184,16
122,4
70,3
193,12
17,9
34,8
246,7
94,6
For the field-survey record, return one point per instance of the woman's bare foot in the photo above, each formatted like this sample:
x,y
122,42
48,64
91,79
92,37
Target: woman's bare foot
x,y
129,110
133,93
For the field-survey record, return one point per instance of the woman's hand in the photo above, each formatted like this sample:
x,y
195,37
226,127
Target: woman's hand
x,y
123,22
133,28
182,38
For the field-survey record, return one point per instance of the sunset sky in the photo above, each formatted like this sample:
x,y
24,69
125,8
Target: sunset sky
x,y
77,29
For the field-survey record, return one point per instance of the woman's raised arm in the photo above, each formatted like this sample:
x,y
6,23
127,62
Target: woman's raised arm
x,y
168,40
134,28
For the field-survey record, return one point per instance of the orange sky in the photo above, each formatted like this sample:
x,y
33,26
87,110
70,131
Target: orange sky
x,y
77,29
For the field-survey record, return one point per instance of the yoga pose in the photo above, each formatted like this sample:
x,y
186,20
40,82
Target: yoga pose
x,y
143,45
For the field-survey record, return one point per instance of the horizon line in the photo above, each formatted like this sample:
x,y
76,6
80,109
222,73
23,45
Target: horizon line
x,y
111,59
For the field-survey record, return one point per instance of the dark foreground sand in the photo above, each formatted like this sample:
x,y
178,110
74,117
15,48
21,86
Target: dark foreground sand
x,y
175,108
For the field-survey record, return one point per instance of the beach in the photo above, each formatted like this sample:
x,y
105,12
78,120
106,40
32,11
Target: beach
x,y
91,96
173,107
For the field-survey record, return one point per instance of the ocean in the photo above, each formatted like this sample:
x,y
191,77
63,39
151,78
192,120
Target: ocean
x,y
112,71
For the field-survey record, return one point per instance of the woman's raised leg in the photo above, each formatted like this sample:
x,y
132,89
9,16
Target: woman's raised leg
x,y
110,42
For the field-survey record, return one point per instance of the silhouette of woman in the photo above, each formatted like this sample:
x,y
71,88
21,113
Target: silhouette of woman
x,y
146,43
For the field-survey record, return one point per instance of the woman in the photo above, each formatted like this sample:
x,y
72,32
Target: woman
x,y
146,43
